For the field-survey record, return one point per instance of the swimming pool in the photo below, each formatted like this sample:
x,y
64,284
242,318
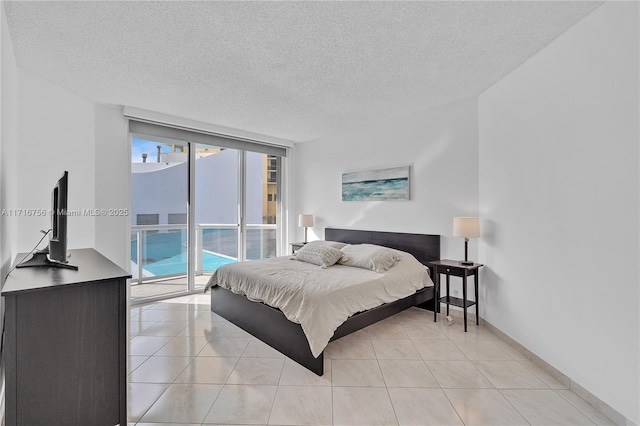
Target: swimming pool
x,y
165,254
178,264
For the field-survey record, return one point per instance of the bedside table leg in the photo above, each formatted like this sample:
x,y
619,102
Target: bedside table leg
x,y
436,300
448,294
464,299
475,281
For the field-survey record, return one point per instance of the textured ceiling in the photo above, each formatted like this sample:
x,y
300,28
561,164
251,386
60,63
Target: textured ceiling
x,y
292,70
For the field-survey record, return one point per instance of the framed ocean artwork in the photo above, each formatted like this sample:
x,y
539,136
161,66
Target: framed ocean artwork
x,y
376,185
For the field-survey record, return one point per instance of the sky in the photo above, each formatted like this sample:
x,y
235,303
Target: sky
x,y
140,146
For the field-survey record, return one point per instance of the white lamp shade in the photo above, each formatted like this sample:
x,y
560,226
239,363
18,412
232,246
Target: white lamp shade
x,y
468,227
305,220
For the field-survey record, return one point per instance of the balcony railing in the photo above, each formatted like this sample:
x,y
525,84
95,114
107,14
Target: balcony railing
x,y
160,251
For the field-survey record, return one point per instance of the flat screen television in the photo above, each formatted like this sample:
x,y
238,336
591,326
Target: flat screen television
x,y
55,255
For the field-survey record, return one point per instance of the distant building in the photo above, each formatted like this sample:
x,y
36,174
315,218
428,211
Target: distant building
x,y
270,179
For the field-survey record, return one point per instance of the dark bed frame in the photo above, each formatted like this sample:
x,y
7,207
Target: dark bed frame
x,y
273,328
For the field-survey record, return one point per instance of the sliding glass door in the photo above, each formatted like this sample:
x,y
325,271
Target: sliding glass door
x,y
159,210
217,216
196,207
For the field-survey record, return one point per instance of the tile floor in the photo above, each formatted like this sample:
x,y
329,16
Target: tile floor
x,y
187,366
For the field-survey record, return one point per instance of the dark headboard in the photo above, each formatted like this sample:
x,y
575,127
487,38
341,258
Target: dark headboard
x,y
423,247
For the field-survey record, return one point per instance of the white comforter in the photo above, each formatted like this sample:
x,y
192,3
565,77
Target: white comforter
x,y
320,300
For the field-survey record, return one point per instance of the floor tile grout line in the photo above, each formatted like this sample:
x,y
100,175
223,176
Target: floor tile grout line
x,y
139,334
386,388
452,406
534,373
332,404
276,394
514,407
578,408
333,415
434,376
154,402
496,360
131,372
484,375
212,404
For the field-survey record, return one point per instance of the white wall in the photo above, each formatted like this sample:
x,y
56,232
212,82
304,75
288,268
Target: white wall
x,y
559,201
8,142
112,159
8,136
56,132
440,145
46,130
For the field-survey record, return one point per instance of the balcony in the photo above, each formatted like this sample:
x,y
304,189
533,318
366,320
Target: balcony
x,y
162,267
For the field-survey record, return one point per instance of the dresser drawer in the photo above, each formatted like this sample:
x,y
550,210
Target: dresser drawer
x,y
451,270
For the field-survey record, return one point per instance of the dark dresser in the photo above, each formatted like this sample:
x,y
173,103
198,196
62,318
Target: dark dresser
x,y
65,343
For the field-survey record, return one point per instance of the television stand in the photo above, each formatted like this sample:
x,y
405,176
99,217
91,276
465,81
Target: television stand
x,y
41,258
65,343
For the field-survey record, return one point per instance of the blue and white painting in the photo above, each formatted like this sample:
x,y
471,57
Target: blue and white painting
x,y
376,185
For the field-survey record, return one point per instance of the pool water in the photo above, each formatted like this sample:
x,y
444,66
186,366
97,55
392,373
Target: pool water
x,y
165,254
178,264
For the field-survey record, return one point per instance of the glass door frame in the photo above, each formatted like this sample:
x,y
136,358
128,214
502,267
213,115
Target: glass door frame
x,y
192,256
191,219
242,206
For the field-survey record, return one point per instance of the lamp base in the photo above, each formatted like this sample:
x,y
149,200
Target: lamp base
x,y
466,262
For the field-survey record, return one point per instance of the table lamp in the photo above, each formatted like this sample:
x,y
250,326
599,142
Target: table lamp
x,y
305,220
467,227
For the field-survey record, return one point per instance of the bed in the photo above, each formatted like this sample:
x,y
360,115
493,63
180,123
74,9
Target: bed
x,y
272,326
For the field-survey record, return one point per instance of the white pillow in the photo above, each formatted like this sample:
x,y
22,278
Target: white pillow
x,y
369,256
318,254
